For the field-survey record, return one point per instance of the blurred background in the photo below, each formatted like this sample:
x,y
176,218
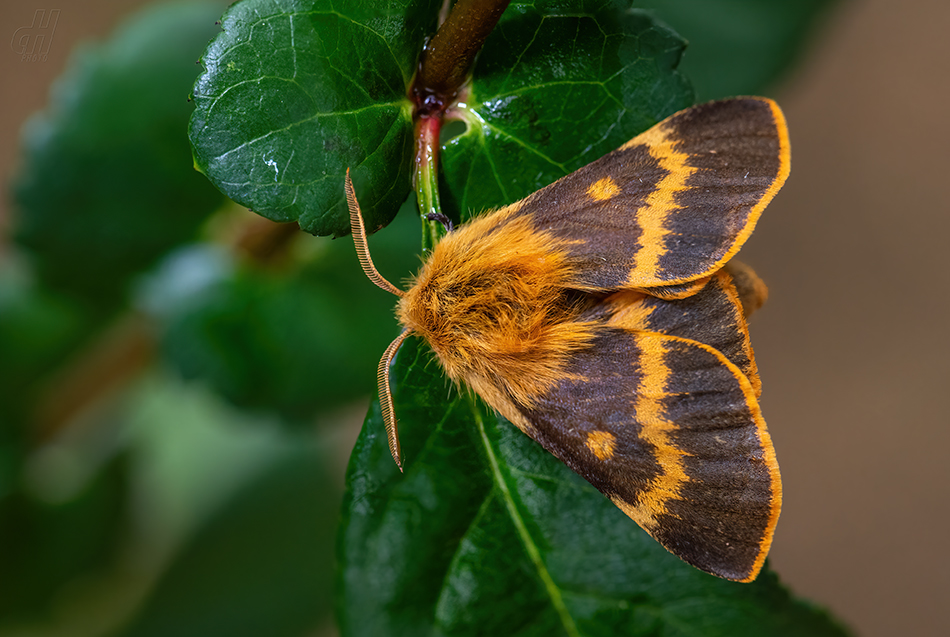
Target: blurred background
x,y
852,347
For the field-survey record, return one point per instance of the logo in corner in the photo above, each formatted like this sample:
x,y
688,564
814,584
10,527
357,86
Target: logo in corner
x,y
32,43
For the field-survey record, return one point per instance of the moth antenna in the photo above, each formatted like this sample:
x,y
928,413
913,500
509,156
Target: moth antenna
x,y
359,239
386,396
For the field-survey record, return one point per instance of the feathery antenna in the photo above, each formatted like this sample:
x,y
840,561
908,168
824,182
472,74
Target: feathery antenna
x,y
359,239
382,372
386,396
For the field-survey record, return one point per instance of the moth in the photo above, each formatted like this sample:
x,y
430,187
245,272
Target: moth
x,y
601,315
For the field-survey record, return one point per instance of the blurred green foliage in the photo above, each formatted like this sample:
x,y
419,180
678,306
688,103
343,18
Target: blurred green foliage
x,y
104,192
740,47
202,494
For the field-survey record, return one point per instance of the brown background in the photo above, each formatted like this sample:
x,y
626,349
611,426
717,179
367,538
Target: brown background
x,y
853,346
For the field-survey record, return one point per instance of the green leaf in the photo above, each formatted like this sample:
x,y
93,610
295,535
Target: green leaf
x,y
296,342
108,184
295,92
739,47
487,533
554,88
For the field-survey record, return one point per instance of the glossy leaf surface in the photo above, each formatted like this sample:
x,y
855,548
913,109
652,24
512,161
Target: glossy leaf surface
x,y
290,98
295,92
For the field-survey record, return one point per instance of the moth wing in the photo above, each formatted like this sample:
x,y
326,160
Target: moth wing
x,y
714,316
668,429
673,204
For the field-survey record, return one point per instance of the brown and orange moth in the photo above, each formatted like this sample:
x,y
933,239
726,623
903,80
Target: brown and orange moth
x,y
599,315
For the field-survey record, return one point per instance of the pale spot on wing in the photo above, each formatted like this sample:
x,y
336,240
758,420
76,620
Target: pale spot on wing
x,y
601,444
603,189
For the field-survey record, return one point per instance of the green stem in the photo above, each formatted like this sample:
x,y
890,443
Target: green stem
x,y
443,70
426,179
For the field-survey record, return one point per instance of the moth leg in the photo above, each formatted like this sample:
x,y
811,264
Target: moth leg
x,y
441,218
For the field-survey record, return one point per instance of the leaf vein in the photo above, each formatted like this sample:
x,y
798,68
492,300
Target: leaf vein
x,y
534,554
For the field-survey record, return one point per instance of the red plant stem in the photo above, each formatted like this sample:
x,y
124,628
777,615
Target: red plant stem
x,y
443,70
426,178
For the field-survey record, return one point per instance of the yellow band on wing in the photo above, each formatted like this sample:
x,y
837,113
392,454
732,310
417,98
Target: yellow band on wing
x,y
660,205
656,429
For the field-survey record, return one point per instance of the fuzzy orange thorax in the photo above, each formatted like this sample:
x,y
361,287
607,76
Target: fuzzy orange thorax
x,y
491,301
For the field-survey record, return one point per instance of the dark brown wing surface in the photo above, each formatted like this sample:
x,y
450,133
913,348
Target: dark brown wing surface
x,y
670,431
673,204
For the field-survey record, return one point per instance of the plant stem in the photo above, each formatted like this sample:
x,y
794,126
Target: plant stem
x,y
426,179
443,70
115,357
449,55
